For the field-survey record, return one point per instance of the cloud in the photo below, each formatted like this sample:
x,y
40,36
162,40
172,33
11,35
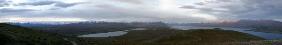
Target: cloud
x,y
200,3
240,9
39,3
38,19
131,1
116,10
148,10
56,3
224,0
9,10
258,9
3,3
188,7
65,5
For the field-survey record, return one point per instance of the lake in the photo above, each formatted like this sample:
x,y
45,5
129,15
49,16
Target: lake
x,y
110,34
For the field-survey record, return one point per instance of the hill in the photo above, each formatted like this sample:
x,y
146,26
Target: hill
x,y
16,35
178,37
80,28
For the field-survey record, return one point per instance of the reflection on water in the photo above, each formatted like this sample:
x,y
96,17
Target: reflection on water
x,y
260,34
109,34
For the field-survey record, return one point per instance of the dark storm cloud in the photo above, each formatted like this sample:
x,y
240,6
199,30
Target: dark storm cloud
x,y
9,10
57,3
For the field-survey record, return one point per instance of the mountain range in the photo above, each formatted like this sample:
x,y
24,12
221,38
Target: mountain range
x,y
256,25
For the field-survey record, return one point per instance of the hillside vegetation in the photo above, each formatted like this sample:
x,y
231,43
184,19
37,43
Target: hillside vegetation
x,y
176,37
16,35
80,28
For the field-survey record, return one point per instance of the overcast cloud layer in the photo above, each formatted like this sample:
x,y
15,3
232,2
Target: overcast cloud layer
x,y
138,10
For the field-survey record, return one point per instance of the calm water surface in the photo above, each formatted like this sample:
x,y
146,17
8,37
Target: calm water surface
x,y
110,34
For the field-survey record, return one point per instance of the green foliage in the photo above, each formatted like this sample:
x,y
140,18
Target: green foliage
x,y
182,37
81,28
175,37
16,35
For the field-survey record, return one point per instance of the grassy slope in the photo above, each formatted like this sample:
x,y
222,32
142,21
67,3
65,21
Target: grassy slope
x,y
16,35
261,42
178,37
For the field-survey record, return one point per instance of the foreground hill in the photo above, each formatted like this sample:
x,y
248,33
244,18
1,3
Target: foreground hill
x,y
16,35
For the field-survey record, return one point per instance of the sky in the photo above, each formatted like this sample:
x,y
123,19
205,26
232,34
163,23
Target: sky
x,y
175,11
